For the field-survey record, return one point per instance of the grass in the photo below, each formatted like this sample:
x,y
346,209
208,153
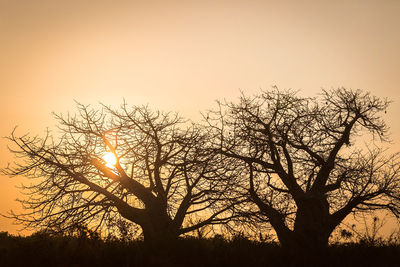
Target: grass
x,y
47,250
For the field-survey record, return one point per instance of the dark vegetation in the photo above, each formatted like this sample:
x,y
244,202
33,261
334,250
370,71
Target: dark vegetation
x,y
42,249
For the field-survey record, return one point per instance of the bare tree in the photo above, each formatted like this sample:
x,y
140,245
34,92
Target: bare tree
x,y
299,165
160,177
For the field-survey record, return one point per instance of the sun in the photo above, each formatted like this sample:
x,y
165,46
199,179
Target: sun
x,y
110,159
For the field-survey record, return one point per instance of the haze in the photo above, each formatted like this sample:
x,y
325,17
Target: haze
x,y
183,55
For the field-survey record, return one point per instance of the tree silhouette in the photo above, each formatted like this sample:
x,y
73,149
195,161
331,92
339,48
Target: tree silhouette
x,y
160,180
299,163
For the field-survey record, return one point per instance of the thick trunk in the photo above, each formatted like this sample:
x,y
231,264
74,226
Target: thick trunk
x,y
159,227
311,227
156,225
306,247
309,238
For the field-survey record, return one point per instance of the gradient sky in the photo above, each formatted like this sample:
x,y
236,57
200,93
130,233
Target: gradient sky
x,y
183,55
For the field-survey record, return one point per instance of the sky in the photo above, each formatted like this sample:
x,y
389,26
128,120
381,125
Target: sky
x,y
183,56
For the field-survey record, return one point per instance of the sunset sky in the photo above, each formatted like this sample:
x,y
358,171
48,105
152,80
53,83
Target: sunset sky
x,y
183,55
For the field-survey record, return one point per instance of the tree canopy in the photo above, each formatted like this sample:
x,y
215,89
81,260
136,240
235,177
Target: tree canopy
x,y
296,163
300,167
160,178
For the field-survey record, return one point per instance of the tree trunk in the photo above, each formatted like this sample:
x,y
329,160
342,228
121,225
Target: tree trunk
x,y
159,228
305,247
308,241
